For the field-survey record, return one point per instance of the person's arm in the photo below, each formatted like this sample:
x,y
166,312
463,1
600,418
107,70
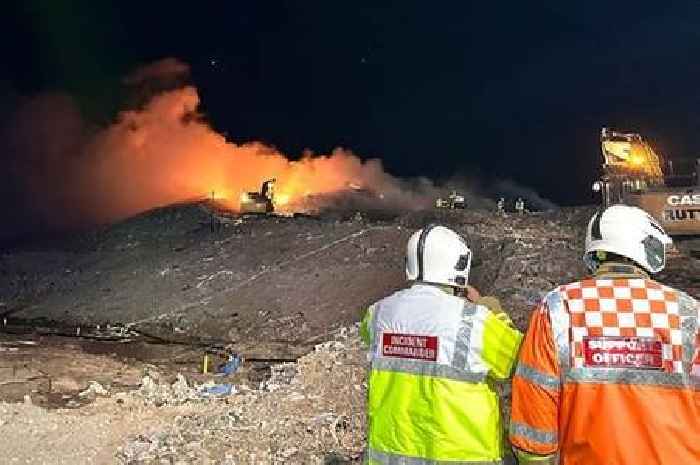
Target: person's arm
x,y
534,427
501,340
366,326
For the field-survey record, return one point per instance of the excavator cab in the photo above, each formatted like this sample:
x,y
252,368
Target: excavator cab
x,y
259,202
632,175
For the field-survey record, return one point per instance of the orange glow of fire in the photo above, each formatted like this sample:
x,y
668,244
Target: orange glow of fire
x,y
281,200
164,153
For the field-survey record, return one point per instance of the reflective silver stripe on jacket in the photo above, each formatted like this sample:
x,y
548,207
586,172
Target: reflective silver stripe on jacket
x,y
541,460
618,376
561,322
537,377
687,306
463,342
533,434
419,367
688,311
373,309
374,456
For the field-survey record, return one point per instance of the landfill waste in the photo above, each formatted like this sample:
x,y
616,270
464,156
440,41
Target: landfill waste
x,y
224,389
309,412
230,367
302,277
283,298
280,375
94,389
155,392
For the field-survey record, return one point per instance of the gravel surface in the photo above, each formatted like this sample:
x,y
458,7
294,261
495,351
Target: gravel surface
x,y
306,412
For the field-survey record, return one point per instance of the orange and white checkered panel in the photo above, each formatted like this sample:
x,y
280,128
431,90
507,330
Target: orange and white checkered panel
x,y
625,308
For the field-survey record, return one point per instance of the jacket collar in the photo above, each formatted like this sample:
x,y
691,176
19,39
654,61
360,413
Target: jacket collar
x,y
620,270
438,288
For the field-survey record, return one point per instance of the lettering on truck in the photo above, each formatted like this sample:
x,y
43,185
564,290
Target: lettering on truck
x,y
685,207
683,200
688,214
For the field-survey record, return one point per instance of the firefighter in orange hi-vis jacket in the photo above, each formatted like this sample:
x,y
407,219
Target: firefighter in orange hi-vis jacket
x,y
609,371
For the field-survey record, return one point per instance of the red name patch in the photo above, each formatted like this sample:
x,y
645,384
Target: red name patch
x,y
623,352
410,346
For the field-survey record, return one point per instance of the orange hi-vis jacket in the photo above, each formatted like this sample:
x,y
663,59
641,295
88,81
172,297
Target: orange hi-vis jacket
x,y
609,374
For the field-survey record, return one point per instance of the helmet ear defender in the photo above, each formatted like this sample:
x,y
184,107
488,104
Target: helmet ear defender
x,y
655,252
464,263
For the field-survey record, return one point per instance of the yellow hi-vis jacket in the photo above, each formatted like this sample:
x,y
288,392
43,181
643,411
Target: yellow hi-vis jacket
x,y
432,358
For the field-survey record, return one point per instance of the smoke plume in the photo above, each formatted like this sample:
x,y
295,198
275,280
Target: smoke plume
x,y
162,151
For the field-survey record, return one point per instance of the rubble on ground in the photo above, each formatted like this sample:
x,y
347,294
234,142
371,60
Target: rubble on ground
x,y
93,390
307,413
155,392
271,288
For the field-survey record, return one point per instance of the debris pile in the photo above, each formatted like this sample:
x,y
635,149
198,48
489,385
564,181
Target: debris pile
x,y
155,392
93,390
280,375
309,412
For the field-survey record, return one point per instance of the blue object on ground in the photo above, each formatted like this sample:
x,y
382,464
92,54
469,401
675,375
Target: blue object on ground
x,y
231,366
218,390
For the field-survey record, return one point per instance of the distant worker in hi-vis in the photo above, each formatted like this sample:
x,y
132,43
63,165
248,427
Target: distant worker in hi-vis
x,y
609,371
434,355
501,206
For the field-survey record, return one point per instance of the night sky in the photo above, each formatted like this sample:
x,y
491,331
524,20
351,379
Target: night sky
x,y
498,90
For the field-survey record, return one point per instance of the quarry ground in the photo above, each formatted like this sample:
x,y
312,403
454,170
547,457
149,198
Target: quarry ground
x,y
149,296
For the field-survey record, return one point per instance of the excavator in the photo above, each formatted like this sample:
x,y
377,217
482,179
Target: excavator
x,y
633,175
259,202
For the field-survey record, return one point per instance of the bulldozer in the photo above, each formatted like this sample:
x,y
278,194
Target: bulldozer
x,y
261,201
633,175
453,201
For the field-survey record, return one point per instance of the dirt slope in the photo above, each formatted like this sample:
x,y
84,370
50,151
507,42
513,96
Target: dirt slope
x,y
271,284
267,286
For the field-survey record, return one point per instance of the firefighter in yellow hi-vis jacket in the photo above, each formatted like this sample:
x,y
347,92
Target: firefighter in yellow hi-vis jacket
x,y
433,357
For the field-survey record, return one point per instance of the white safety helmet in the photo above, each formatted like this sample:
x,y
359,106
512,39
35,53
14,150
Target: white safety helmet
x,y
438,255
630,232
